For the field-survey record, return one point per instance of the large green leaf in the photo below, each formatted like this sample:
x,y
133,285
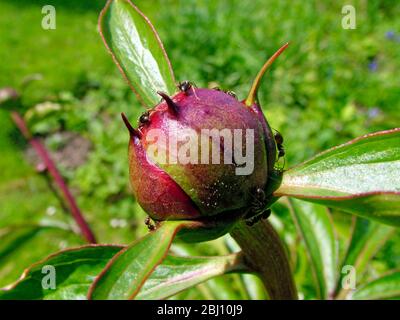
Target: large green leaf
x,y
360,177
316,228
137,50
366,240
20,246
75,270
386,287
126,273
179,273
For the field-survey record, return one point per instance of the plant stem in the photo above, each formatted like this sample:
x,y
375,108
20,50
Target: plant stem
x,y
266,254
56,176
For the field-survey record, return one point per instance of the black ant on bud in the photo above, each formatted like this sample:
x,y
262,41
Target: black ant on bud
x,y
149,224
144,118
231,93
257,209
279,144
264,215
228,92
185,86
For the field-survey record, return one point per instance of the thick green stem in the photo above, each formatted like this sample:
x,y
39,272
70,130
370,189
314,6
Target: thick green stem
x,y
266,254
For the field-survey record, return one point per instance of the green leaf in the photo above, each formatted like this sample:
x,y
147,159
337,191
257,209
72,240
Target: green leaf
x,y
316,228
360,177
227,287
126,273
75,270
386,287
21,246
366,240
176,274
137,50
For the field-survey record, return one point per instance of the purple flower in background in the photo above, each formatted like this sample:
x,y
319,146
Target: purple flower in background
x,y
373,112
390,35
373,65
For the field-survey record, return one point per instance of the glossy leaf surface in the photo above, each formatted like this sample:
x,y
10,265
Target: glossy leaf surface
x,y
176,274
360,177
74,271
137,50
126,273
385,287
366,240
316,228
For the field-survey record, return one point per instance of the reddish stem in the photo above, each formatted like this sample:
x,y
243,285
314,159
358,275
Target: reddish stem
x,y
55,174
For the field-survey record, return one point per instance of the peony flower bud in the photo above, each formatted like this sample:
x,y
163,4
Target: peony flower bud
x,y
201,155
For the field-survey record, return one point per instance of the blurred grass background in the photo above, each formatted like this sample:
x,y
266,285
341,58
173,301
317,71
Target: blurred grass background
x,y
330,86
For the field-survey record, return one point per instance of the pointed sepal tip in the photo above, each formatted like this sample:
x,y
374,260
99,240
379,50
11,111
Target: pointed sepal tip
x,y
172,106
252,97
132,131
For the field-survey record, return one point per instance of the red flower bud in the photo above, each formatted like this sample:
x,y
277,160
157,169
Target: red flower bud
x,y
203,156
166,188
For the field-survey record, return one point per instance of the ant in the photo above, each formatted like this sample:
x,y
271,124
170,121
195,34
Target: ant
x,y
257,209
231,93
279,144
185,86
149,224
144,118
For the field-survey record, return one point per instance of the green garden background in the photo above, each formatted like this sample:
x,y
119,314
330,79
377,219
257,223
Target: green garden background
x,y
329,86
